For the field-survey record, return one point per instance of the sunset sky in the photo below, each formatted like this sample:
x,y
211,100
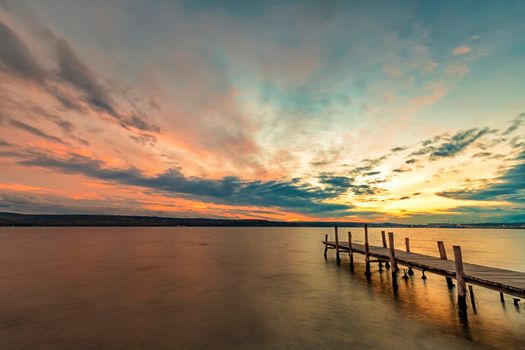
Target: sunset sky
x,y
409,112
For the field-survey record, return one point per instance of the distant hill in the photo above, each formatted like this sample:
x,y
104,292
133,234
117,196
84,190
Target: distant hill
x,y
13,219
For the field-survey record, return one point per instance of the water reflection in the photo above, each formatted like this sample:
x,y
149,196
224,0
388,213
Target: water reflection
x,y
237,288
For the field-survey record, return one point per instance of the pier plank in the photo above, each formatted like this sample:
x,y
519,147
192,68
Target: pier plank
x,y
507,281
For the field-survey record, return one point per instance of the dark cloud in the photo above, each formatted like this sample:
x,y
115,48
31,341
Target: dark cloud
x,y
77,73
398,149
508,187
16,58
35,131
458,143
368,165
516,142
404,197
516,123
4,143
482,155
443,147
432,140
338,185
365,190
410,161
66,100
290,195
74,71
144,139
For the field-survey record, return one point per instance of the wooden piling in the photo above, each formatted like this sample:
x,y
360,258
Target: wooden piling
x,y
350,252
407,246
367,252
501,297
443,255
338,258
460,278
325,246
501,280
393,262
472,298
383,238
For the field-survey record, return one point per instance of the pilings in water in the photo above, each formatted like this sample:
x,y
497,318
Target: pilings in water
x,y
393,262
443,256
350,251
501,280
460,278
472,298
383,238
325,246
407,247
338,258
367,253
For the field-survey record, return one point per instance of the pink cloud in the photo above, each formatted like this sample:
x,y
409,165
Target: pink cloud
x,y
461,50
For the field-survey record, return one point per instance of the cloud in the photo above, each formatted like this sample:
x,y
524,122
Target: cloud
x,y
35,131
398,149
16,58
291,195
461,50
516,123
508,187
77,73
458,143
449,146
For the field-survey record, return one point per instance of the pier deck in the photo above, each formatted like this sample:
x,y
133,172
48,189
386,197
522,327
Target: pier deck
x,y
501,280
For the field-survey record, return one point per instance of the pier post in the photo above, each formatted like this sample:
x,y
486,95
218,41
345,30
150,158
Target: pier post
x,y
472,298
350,252
460,278
383,238
407,246
367,253
337,257
325,246
443,255
501,297
393,262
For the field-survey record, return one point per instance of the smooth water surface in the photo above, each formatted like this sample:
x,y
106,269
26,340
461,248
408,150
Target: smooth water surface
x,y
240,288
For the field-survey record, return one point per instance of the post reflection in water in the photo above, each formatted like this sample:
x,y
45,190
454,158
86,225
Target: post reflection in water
x,y
241,288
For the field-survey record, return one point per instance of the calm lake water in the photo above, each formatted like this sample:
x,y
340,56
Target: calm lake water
x,y
240,288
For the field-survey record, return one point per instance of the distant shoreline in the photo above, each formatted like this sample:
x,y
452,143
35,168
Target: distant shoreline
x,y
85,220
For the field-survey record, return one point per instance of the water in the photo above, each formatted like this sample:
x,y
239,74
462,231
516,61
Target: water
x,y
239,288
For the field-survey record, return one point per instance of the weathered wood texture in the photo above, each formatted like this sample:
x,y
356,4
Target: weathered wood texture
x,y
392,252
460,278
506,281
443,255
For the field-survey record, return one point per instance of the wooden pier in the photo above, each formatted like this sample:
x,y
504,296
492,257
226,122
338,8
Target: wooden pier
x,y
500,280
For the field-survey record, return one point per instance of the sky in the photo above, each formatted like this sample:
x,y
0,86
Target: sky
x,y
406,111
